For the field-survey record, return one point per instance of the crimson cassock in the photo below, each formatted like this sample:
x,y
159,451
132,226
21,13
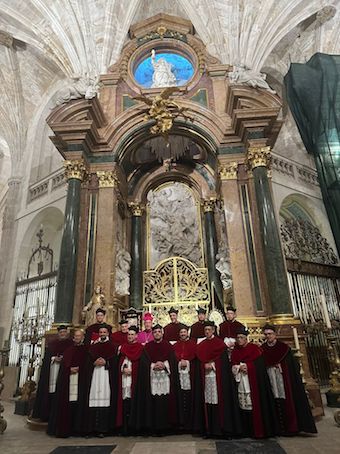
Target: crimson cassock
x,y
223,417
190,393
98,393
92,332
171,331
119,338
229,329
44,397
296,415
156,408
197,330
261,421
129,356
64,409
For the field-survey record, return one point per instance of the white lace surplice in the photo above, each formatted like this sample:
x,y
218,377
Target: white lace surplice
x,y
126,379
74,387
160,380
243,388
100,391
276,381
54,371
184,376
210,389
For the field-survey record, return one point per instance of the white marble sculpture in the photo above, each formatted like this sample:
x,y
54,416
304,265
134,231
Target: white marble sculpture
x,y
123,264
85,87
223,266
174,227
162,75
245,76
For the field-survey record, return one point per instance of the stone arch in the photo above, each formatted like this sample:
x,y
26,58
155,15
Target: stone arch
x,y
51,220
298,206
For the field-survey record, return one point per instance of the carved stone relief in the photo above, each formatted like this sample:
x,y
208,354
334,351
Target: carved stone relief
x,y
174,224
123,264
222,256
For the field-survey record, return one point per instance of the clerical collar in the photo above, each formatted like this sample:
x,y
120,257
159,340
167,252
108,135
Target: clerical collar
x,y
272,343
105,340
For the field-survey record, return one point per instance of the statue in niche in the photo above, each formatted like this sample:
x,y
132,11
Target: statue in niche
x,y
97,301
163,75
223,266
245,76
123,264
173,224
86,87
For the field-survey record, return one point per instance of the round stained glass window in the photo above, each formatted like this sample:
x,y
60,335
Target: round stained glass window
x,y
164,69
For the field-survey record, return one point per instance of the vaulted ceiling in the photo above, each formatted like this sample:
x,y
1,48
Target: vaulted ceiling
x,y
57,40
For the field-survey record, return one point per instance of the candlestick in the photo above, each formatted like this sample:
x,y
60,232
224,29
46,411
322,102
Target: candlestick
x,y
296,338
325,311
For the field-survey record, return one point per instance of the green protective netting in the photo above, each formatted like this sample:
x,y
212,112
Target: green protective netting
x,y
313,93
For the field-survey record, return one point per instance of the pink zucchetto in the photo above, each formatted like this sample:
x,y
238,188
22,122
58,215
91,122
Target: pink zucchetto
x,y
148,316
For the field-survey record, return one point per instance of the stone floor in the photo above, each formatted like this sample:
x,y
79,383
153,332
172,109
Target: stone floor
x,y
18,438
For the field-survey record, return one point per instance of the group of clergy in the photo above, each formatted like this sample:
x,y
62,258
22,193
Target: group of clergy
x,y
204,379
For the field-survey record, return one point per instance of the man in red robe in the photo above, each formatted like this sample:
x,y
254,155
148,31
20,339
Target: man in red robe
x,y
155,409
293,410
97,414
121,337
171,330
92,331
128,366
63,413
254,392
146,335
222,416
49,374
197,329
185,351
229,328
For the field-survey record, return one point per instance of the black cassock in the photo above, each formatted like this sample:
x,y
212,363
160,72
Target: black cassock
x,y
63,412
99,420
155,414
44,398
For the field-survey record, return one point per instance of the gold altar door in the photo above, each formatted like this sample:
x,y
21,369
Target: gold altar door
x,y
175,282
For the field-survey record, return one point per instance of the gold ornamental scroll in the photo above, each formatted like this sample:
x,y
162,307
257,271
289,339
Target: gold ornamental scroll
x,y
179,283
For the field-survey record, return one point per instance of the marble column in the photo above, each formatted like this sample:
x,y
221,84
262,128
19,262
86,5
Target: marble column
x,y
237,241
75,172
212,246
258,160
136,272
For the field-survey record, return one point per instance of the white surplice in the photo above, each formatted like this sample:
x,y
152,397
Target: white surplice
x,y
126,379
184,376
243,388
276,381
100,391
210,388
160,380
54,371
74,387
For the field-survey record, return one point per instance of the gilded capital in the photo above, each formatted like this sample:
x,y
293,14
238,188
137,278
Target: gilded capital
x,y
228,171
75,169
136,208
208,205
106,178
258,157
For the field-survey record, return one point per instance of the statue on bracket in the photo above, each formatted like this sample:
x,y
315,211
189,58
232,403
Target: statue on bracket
x,y
162,75
245,76
123,264
97,301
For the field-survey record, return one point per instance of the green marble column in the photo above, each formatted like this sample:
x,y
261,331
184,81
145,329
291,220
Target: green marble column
x,y
136,272
212,247
258,160
69,244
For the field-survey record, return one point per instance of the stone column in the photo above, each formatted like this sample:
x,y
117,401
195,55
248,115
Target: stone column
x,y
136,272
258,160
75,172
238,253
8,237
212,246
